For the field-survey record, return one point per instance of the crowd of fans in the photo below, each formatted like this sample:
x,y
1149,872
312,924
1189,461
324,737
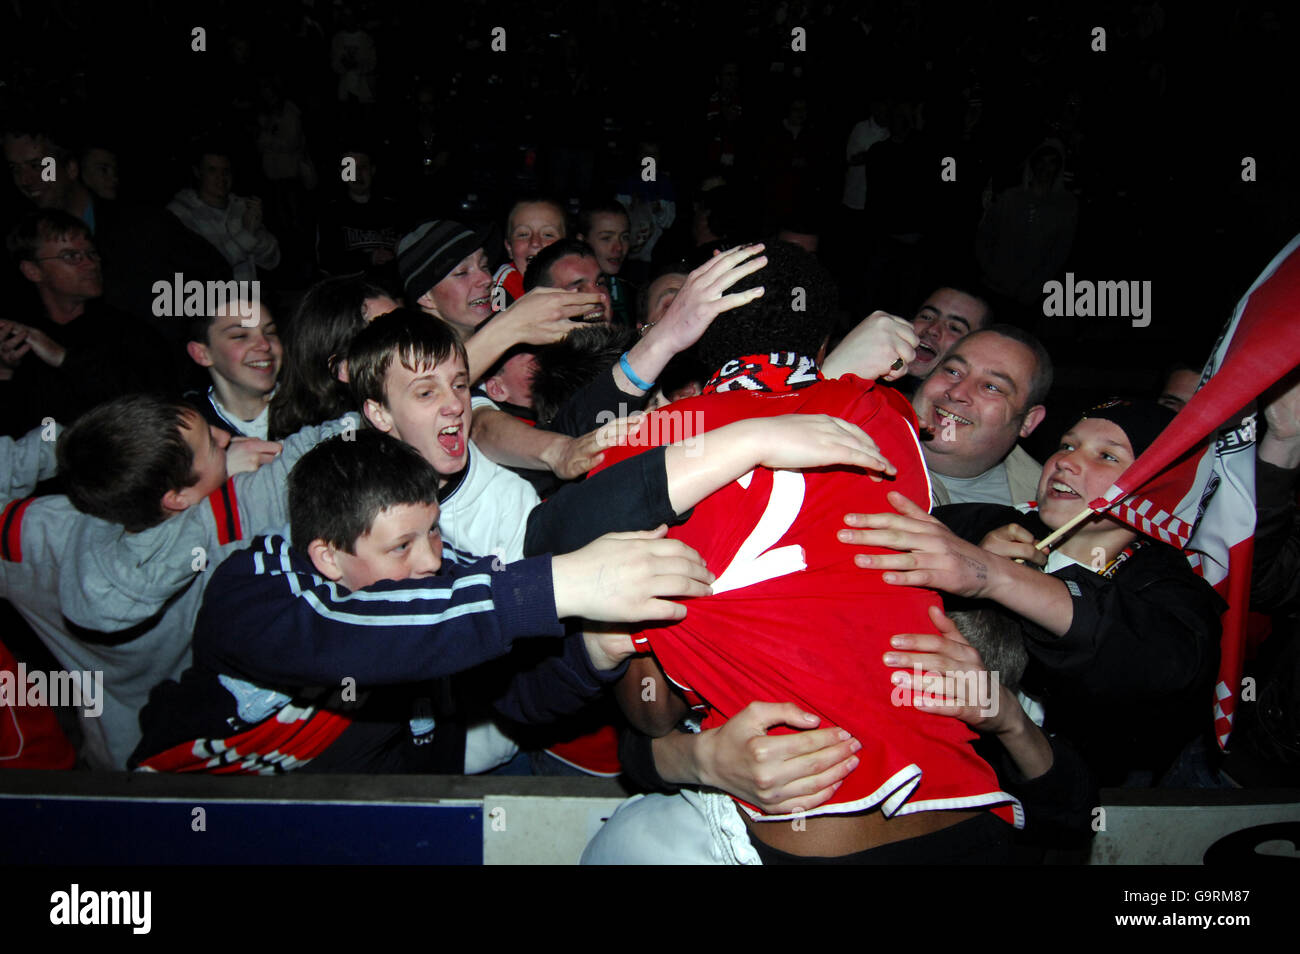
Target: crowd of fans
x,y
489,312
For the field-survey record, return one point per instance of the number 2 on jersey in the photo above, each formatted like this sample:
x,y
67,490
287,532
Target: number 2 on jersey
x,y
755,562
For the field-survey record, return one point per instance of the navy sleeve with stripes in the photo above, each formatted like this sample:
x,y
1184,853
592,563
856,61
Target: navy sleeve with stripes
x,y
269,618
631,495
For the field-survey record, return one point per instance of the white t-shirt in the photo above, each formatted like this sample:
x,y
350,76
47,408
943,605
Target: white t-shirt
x,y
486,514
992,486
254,428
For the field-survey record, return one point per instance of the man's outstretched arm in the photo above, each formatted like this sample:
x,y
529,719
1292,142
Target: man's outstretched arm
x,y
665,483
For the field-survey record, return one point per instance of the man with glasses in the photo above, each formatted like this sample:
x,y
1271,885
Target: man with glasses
x,y
140,244
68,351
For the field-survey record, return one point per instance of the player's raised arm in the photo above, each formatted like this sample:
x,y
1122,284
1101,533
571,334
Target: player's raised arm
x,y
691,470
698,467
701,300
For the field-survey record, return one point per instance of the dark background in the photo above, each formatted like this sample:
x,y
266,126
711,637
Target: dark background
x,y
1156,126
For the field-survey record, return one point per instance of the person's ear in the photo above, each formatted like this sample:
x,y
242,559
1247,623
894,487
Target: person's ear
x,y
179,499
1033,417
31,271
492,387
426,301
341,370
199,353
580,237
378,416
324,558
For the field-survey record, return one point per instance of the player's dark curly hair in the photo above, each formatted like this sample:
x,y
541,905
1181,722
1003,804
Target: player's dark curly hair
x,y
795,313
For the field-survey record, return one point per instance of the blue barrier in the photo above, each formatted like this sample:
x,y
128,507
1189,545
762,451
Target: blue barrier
x,y
81,831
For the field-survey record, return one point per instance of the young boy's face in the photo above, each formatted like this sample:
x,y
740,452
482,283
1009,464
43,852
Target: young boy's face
x,y
513,384
463,299
403,543
429,410
610,238
247,358
1091,457
209,446
532,227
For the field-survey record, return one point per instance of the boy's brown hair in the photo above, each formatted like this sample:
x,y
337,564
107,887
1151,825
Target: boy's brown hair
x,y
536,200
119,459
415,339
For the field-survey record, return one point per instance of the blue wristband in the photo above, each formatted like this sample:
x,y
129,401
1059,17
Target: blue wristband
x,y
631,375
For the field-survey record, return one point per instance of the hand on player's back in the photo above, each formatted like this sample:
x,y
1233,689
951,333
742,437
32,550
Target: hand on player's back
x,y
794,441
780,774
625,577
577,455
951,667
929,554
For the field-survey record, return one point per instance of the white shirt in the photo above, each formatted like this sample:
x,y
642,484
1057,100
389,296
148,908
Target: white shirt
x,y
992,486
487,513
255,428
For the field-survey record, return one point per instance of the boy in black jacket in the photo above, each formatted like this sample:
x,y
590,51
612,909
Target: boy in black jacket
x,y
325,653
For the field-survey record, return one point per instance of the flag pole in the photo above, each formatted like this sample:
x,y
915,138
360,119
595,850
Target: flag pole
x,y
1055,535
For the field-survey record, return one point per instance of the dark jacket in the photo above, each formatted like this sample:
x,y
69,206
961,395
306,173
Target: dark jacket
x,y
1132,680
109,354
142,245
1275,585
272,634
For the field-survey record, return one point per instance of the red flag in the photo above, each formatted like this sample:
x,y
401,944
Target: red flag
x,y
1199,494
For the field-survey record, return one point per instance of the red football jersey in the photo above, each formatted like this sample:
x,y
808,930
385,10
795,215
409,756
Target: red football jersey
x,y
793,619
595,753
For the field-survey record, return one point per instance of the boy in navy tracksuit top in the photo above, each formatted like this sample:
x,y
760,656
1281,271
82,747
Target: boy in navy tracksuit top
x,y
328,652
